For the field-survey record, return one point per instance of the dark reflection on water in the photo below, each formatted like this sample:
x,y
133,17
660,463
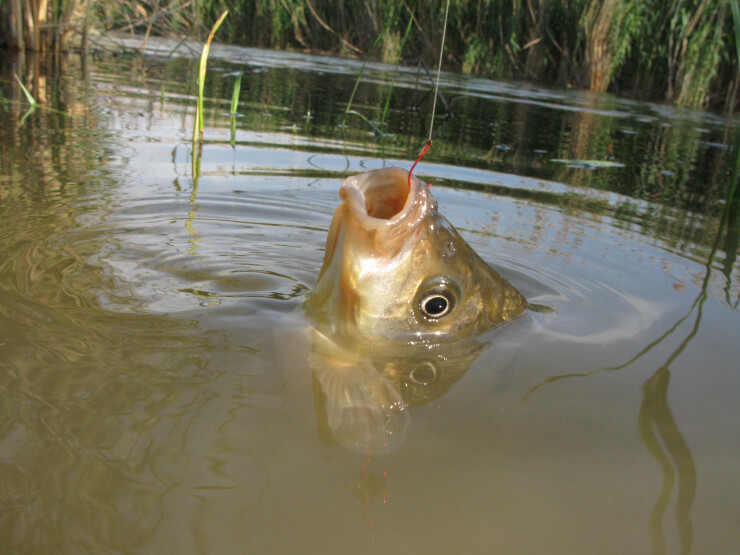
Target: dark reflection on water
x,y
660,432
362,399
156,383
658,428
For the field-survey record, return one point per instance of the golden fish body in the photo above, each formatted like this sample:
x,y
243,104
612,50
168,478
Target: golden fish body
x,y
395,270
398,306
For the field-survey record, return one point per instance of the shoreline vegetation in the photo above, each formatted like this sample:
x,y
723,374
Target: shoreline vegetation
x,y
679,51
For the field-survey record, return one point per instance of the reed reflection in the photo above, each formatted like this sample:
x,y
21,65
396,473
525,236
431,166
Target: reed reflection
x,y
661,434
658,428
664,441
656,422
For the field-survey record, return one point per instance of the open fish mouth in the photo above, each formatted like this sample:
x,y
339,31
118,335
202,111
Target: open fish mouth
x,y
387,198
381,194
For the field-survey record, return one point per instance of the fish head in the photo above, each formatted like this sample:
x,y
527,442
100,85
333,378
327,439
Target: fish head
x,y
395,270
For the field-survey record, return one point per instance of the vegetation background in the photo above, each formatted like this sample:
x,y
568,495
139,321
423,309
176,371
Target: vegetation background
x,y
673,50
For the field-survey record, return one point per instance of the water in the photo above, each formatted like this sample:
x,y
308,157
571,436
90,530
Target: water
x,y
155,390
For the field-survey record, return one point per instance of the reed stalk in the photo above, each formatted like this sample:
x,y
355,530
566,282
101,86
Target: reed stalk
x,y
235,94
678,50
736,26
31,101
29,96
198,124
378,132
234,105
380,37
404,39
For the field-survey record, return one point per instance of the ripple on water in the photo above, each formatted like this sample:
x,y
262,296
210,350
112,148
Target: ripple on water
x,y
149,385
605,285
234,239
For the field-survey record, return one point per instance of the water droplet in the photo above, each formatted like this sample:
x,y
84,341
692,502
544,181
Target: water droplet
x,y
448,252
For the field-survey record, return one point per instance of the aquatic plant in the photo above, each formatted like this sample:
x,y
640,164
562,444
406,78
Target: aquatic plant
x,y
234,105
666,49
349,110
235,94
609,28
29,96
27,24
401,45
736,25
198,124
378,132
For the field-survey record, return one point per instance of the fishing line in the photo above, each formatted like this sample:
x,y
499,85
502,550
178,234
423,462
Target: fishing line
x,y
439,70
436,94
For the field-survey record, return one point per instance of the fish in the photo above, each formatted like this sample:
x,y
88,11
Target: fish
x,y
395,270
399,305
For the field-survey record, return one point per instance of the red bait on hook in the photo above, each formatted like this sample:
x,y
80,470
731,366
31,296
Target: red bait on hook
x,y
421,155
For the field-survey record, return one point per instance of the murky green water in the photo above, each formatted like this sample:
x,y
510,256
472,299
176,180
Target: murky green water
x,y
155,388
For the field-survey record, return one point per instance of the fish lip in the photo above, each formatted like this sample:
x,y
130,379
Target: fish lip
x,y
357,189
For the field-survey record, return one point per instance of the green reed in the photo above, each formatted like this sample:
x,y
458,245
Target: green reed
x,y
349,110
678,50
405,38
234,105
732,206
377,130
381,37
198,124
235,94
29,96
736,25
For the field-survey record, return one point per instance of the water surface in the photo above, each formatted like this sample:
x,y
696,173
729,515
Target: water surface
x,y
155,389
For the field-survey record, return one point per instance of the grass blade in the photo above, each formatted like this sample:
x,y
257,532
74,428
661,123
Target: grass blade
x,y
234,105
235,94
198,125
376,129
736,22
362,69
29,96
395,71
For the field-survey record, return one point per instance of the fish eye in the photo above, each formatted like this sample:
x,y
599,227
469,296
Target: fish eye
x,y
438,300
435,306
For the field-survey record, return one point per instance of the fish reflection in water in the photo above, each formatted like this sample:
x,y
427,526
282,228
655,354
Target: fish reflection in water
x,y
399,307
